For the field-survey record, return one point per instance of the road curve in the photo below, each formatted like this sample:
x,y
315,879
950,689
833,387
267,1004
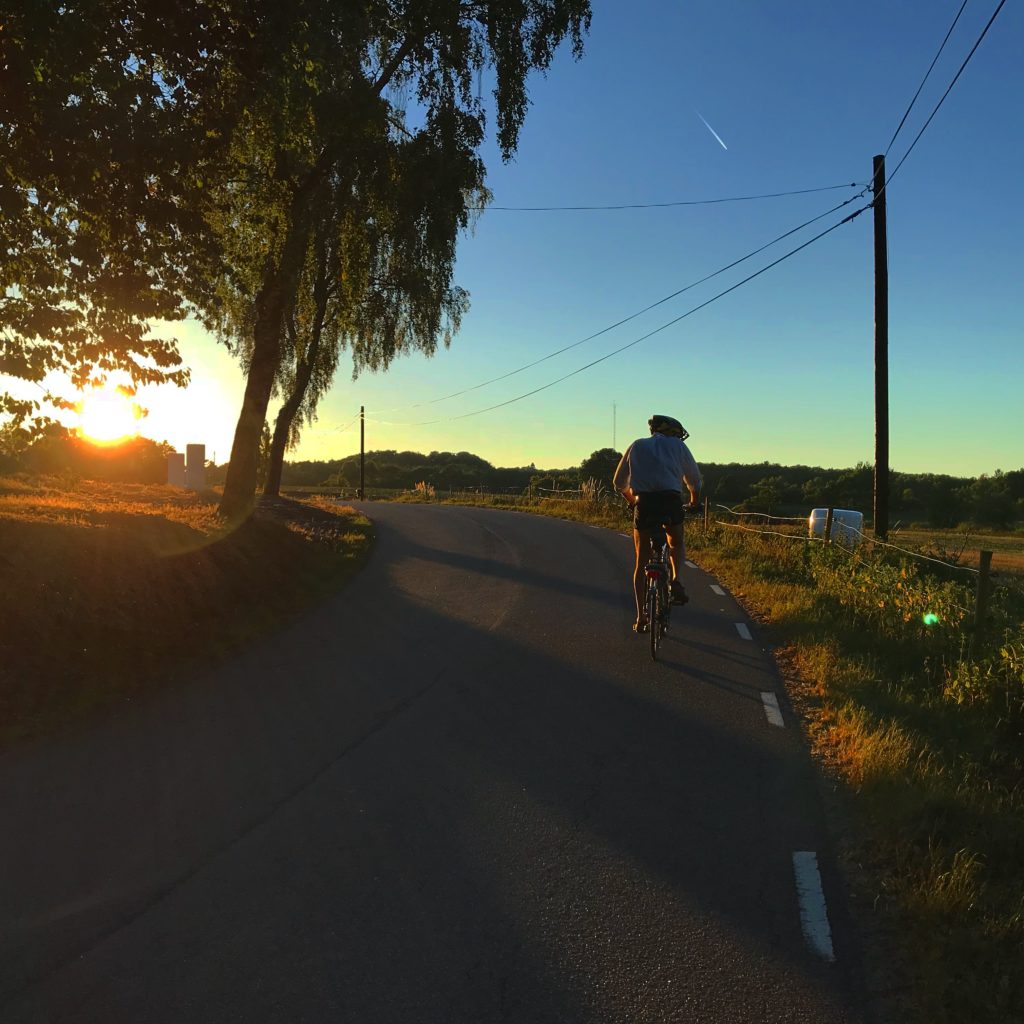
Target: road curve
x,y
459,791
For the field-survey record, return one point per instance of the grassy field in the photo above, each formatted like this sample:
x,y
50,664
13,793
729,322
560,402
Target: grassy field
x,y
918,726
110,590
964,546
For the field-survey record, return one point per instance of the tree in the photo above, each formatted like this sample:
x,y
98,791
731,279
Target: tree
x,y
329,115
600,466
111,115
379,283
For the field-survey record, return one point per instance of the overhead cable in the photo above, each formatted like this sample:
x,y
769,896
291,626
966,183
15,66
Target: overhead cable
x,y
650,334
632,316
662,206
925,79
949,88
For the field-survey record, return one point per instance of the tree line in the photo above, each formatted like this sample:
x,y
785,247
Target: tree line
x,y
296,176
940,500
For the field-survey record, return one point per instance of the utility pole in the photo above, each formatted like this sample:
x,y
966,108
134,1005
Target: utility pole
x,y
881,502
362,453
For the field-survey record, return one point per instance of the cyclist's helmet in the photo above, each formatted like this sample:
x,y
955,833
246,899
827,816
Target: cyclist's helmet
x,y
667,425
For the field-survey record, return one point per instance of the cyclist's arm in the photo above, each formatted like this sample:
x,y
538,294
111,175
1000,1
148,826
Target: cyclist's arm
x,y
621,481
691,475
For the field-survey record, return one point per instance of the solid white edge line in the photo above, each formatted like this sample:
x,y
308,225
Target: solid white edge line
x,y
813,912
743,630
718,590
772,709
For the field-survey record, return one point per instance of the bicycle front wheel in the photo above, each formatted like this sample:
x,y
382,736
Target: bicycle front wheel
x,y
653,617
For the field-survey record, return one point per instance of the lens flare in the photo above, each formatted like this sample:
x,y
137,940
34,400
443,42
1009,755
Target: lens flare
x,y
930,619
108,415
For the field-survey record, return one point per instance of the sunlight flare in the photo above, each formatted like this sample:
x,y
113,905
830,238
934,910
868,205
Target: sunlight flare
x,y
108,414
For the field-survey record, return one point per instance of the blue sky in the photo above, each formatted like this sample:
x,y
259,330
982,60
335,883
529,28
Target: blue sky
x,y
803,94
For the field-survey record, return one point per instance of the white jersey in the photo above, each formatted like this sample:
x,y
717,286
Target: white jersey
x,y
657,463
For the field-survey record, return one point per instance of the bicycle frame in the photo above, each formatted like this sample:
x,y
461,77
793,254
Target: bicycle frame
x,y
657,600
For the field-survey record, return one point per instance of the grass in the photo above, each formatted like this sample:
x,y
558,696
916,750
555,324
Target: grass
x,y
114,590
963,546
920,734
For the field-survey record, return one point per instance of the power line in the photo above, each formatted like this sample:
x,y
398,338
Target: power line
x,y
925,79
949,88
662,206
650,334
633,316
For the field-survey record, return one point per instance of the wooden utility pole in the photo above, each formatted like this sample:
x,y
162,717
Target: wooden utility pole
x,y
881,502
362,453
983,592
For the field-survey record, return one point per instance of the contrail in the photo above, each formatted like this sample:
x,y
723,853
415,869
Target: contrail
x,y
712,130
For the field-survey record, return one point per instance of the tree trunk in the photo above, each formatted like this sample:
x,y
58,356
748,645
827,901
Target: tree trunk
x,y
275,300
283,426
303,372
240,483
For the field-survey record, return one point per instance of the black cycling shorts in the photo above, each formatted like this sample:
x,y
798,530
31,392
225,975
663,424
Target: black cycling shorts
x,y
657,508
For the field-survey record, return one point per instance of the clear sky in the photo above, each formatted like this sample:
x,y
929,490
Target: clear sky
x,y
803,94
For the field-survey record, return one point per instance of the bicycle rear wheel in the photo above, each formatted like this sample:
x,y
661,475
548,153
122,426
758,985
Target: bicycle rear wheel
x,y
653,617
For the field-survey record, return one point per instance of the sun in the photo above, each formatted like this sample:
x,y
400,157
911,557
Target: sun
x,y
107,414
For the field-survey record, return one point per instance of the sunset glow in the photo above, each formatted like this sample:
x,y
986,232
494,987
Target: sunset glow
x,y
107,415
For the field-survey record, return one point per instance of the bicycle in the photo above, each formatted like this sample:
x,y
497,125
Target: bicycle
x,y
658,597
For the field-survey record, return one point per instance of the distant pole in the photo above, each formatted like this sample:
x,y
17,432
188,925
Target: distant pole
x,y
881,509
362,453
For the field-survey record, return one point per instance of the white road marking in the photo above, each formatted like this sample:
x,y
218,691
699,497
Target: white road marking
x,y
690,565
813,912
772,709
718,590
743,630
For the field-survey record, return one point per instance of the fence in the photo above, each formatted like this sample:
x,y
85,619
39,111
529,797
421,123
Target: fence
x,y
983,574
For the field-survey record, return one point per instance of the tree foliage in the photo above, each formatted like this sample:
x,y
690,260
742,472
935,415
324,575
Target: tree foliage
x,y
109,113
600,466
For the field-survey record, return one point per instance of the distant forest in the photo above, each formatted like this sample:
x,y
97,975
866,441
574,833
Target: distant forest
x,y
994,501
927,498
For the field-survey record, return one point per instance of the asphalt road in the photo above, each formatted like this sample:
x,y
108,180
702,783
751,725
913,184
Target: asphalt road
x,y
459,792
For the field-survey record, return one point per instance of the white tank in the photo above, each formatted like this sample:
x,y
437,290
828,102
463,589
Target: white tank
x,y
847,525
195,466
176,469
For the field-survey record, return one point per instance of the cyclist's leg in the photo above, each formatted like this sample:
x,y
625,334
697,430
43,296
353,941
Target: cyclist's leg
x,y
677,555
642,545
676,547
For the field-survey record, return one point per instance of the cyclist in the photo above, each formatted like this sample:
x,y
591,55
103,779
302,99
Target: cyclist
x,y
651,476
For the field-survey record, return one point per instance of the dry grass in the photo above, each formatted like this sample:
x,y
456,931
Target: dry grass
x,y
107,587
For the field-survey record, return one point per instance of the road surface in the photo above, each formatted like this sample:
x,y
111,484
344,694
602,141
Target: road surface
x,y
458,792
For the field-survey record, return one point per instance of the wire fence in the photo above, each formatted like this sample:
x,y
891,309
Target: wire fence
x,y
847,529
847,549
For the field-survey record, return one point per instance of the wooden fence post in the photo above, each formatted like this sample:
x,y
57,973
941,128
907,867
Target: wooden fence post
x,y
828,524
984,588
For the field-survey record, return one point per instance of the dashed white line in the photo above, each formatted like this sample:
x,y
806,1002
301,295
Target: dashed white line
x,y
813,912
718,590
690,565
743,630
772,709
